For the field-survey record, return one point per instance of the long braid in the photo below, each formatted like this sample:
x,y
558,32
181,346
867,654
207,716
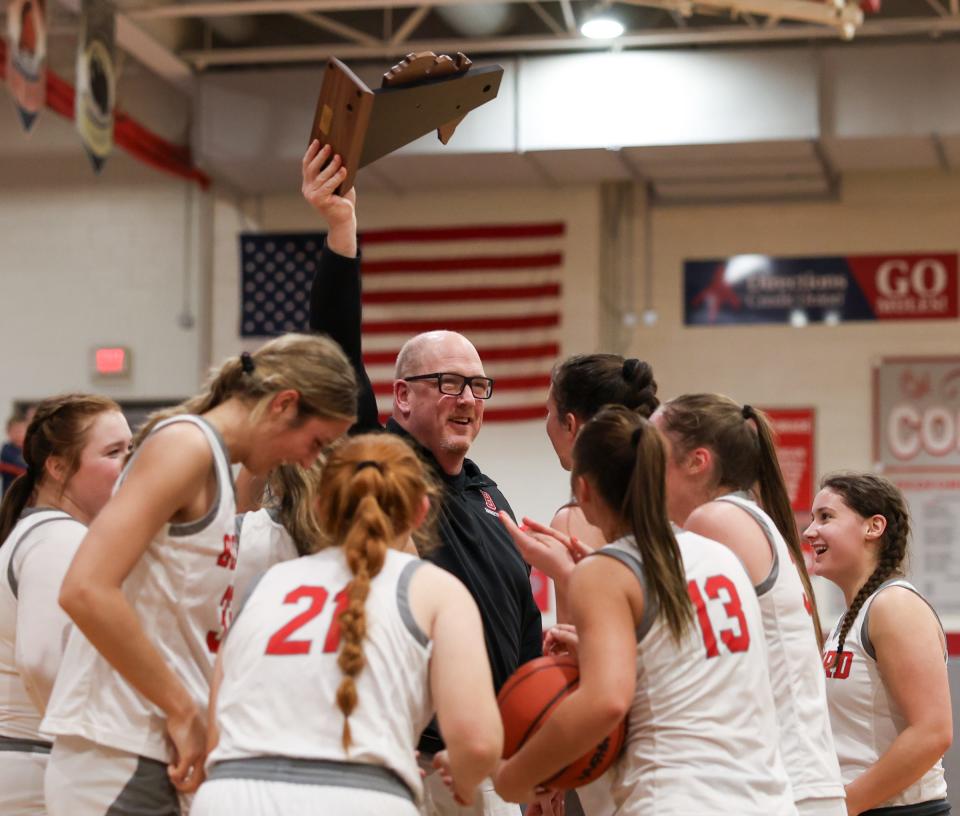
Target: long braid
x,y
870,495
371,493
365,548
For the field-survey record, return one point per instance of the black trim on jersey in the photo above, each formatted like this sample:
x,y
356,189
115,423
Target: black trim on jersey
x,y
12,579
935,807
864,627
635,564
767,583
403,603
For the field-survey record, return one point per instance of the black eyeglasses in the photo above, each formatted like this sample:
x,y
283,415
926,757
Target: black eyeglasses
x,y
453,384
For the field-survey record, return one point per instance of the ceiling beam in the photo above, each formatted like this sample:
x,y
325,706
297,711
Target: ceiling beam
x,y
231,8
325,23
657,39
545,17
571,22
402,34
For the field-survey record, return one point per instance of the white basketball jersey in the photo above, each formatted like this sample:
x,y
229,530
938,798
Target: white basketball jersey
x,y
262,541
702,726
799,689
20,705
865,718
278,696
181,590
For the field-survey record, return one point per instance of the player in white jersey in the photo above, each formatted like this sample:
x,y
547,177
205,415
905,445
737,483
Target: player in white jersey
x,y
74,448
668,632
718,453
150,588
885,659
336,662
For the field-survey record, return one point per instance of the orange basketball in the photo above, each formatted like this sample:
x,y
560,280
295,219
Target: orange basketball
x,y
529,697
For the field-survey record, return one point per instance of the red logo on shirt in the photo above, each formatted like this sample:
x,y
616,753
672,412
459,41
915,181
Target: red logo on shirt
x,y
488,500
228,558
837,669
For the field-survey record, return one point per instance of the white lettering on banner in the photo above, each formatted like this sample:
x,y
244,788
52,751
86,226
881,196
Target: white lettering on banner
x,y
933,430
897,279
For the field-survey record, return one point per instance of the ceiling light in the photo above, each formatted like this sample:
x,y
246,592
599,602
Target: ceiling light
x,y
602,28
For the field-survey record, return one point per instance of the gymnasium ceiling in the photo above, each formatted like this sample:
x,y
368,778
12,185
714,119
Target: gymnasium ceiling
x,y
224,34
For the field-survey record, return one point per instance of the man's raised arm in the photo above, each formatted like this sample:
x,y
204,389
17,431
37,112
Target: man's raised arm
x,y
335,305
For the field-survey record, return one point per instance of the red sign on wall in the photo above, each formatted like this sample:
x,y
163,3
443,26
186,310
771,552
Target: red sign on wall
x,y
794,429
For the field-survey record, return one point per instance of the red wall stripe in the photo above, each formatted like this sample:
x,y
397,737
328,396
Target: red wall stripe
x,y
486,354
953,644
518,414
491,263
467,233
517,383
460,324
447,295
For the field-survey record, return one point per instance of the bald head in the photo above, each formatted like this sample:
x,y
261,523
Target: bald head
x,y
423,353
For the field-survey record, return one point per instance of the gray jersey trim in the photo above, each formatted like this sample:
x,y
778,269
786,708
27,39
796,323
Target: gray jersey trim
x,y
148,792
403,603
200,524
864,626
313,772
635,565
767,583
24,746
12,579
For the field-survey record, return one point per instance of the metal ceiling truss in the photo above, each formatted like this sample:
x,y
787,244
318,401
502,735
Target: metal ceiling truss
x,y
552,26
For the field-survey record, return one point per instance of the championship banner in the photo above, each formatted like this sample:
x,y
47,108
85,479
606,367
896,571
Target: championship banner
x,y
916,443
27,58
916,425
794,430
96,81
753,289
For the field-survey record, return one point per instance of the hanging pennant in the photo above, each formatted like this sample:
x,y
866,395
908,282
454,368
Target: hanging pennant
x,y
27,58
96,81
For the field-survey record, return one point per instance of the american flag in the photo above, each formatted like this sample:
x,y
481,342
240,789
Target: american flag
x,y
500,285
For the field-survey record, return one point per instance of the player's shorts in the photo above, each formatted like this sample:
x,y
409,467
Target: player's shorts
x,y
87,779
22,766
937,807
278,786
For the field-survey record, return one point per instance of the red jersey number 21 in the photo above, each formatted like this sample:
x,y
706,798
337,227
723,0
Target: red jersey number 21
x,y
281,641
719,587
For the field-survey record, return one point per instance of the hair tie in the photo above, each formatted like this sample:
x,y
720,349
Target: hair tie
x,y
366,463
246,361
629,370
635,436
747,412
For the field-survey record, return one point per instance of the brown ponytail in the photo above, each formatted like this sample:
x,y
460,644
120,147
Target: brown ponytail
x,y
624,458
870,495
313,365
745,457
371,492
59,428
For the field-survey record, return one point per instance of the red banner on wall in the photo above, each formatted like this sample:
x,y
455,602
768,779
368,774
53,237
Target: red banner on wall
x,y
795,429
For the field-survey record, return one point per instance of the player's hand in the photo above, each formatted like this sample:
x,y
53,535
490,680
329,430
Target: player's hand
x,y
441,761
188,735
548,804
561,639
542,547
577,549
319,188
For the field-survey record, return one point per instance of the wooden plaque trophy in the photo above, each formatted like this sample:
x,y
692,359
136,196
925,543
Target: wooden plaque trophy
x,y
422,93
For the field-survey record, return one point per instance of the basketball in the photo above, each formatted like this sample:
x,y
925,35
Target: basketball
x,y
529,697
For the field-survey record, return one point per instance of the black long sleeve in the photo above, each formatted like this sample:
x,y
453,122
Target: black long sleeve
x,y
336,310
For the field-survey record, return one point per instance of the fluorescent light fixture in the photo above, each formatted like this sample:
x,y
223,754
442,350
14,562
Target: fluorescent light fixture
x,y
601,28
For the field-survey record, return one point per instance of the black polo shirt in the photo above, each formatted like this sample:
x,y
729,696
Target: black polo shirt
x,y
473,543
